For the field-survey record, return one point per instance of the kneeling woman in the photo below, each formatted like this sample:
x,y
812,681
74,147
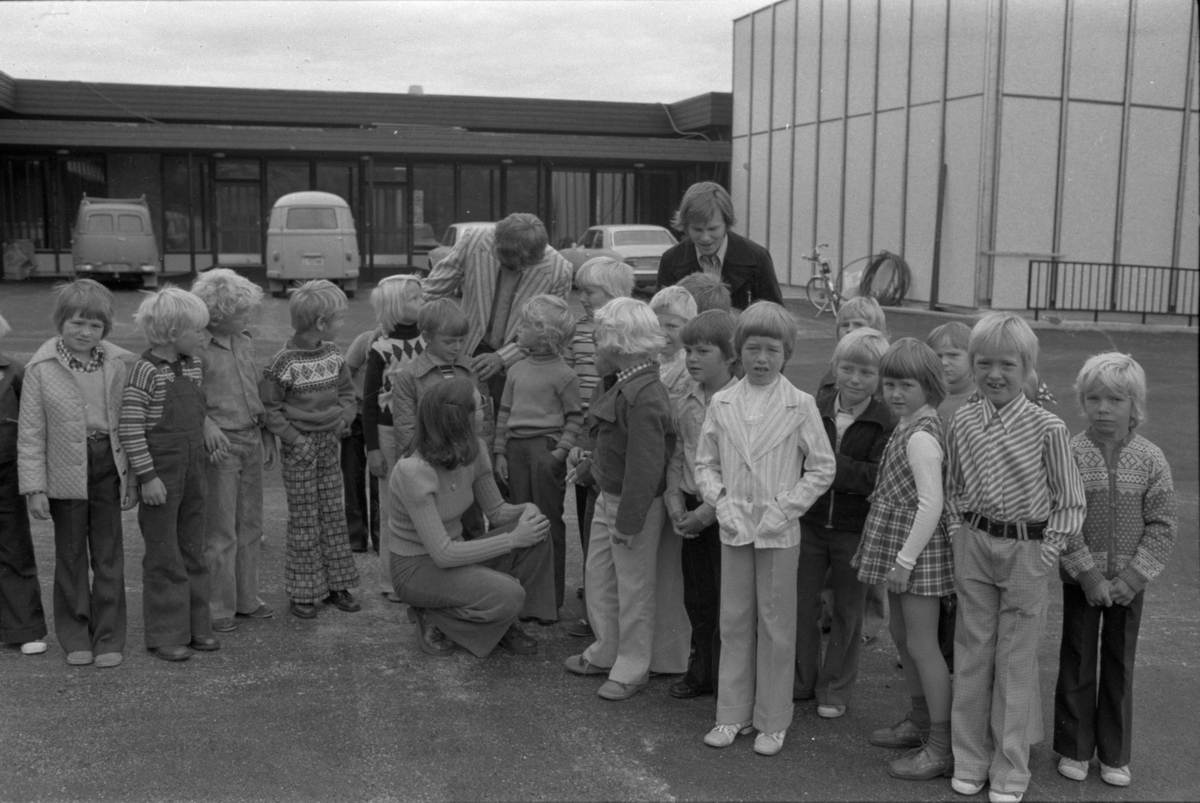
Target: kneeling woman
x,y
463,592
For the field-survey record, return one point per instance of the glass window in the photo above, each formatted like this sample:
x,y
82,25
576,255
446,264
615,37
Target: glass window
x,y
389,172
479,192
340,178
658,196
23,203
312,217
99,224
569,190
642,237
614,198
78,176
185,203
130,224
521,189
433,198
237,169
284,178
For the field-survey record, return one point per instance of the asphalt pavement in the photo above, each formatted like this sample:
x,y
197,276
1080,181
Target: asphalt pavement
x,y
347,708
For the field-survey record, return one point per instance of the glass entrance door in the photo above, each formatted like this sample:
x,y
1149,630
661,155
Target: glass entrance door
x,y
239,227
389,224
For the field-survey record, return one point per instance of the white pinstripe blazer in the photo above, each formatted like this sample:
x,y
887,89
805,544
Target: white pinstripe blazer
x,y
762,481
472,267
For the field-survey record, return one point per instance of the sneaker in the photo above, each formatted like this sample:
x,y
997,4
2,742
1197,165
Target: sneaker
x,y
263,611
580,628
904,734
831,711
1004,797
1116,776
579,665
723,735
1070,768
80,658
768,744
36,647
616,690
965,787
107,660
224,625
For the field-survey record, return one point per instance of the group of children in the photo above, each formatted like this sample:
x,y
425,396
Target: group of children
x,y
925,469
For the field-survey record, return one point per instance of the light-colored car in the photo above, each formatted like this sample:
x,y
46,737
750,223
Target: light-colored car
x,y
311,236
454,233
637,245
114,239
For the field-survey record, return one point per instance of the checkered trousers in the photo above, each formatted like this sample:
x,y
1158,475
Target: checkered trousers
x,y
318,545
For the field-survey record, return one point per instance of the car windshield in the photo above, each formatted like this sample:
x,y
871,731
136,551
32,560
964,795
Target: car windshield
x,y
312,217
642,237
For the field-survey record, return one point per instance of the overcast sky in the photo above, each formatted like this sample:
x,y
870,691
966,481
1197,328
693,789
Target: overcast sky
x,y
621,50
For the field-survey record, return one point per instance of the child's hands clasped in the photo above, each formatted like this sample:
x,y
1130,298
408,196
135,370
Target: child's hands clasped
x,y
154,493
1120,592
687,524
1099,595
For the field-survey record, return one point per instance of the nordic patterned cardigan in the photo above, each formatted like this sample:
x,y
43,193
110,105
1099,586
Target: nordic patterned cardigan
x,y
1130,525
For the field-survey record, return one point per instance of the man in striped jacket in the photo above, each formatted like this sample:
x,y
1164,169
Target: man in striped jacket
x,y
497,271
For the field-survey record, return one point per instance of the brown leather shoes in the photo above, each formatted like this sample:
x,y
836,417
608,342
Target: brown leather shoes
x,y
344,601
515,640
430,639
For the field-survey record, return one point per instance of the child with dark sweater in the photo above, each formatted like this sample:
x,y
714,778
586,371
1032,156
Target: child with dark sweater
x,y
540,420
309,400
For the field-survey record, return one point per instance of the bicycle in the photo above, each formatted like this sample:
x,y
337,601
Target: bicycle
x,y
822,291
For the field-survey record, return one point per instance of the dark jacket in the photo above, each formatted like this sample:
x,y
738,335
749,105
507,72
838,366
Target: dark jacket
x,y
844,506
633,438
10,407
747,269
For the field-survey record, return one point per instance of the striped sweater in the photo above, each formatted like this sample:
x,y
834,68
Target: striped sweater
x,y
142,405
1130,525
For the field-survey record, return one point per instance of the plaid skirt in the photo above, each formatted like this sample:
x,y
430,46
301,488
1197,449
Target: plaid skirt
x,y
884,535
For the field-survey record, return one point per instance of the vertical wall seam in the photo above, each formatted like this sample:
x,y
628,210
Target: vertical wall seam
x,y
874,134
792,125
907,132
770,131
1060,178
816,199
749,132
997,134
1185,137
845,130
936,292
1123,156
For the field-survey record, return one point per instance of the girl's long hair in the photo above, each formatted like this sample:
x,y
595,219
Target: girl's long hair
x,y
445,434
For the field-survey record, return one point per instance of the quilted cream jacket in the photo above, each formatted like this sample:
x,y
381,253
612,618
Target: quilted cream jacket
x,y
52,453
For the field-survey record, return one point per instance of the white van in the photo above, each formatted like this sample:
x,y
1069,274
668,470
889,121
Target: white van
x,y
311,236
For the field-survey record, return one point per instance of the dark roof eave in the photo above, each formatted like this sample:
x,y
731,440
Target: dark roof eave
x,y
409,141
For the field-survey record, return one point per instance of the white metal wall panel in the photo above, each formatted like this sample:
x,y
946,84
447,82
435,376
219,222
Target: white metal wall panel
x,y
1025,194
893,54
780,178
783,89
829,188
739,179
1033,47
833,58
803,210
1090,196
1099,29
760,81
757,219
857,204
929,47
808,60
1189,241
742,54
960,237
921,203
862,56
1151,184
1160,56
889,182
968,48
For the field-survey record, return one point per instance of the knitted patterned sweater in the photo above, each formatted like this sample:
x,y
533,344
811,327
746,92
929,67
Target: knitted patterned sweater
x,y
307,390
1130,526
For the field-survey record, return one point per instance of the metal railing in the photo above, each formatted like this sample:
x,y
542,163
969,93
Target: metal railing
x,y
1097,287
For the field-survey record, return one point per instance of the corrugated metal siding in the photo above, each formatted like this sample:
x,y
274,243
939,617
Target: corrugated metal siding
x,y
400,140
79,100
8,92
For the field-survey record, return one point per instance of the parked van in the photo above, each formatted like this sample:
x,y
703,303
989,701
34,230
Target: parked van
x,y
311,236
113,239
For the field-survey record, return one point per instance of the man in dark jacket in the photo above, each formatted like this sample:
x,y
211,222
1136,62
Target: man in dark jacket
x,y
705,216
